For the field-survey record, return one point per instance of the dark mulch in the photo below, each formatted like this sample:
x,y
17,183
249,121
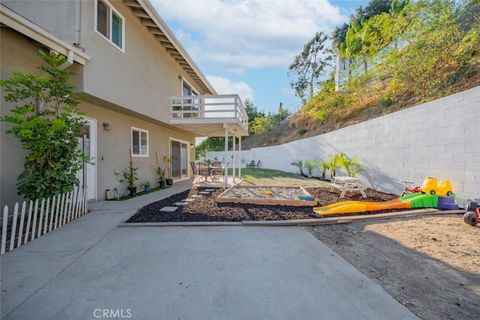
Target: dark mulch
x,y
206,209
325,197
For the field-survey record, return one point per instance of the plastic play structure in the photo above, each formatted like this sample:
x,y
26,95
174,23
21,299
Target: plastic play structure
x,y
431,195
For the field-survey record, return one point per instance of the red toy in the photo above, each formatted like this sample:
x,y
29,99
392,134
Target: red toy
x,y
407,189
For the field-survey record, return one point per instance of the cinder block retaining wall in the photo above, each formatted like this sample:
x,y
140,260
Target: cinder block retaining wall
x,y
439,138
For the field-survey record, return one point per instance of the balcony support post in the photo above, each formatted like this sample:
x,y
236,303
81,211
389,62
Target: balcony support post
x,y
234,158
225,164
240,157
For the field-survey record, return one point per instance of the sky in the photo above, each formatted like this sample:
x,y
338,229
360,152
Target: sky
x,y
246,46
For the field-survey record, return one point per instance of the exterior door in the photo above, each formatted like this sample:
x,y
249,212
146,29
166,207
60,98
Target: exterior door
x,y
179,156
88,143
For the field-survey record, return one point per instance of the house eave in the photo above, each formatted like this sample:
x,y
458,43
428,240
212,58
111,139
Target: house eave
x,y
151,20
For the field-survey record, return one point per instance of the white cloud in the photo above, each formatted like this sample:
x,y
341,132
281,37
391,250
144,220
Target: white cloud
x,y
248,33
226,86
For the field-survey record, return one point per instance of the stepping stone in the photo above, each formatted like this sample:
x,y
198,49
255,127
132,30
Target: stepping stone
x,y
168,209
188,200
181,203
197,196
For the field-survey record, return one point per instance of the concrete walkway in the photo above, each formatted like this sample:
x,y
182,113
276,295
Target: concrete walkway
x,y
185,273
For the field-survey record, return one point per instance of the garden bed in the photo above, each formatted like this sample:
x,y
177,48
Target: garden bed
x,y
205,208
273,195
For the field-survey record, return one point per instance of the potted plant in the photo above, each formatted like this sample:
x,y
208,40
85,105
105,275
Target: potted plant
x,y
131,176
161,177
146,186
309,165
168,164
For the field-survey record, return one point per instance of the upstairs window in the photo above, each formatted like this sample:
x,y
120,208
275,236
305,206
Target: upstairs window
x,y
109,23
139,142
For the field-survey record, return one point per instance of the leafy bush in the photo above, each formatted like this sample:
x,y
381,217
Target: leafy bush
x,y
47,123
302,131
412,53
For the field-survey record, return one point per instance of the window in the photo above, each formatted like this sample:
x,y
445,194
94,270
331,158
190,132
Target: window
x,y
109,23
139,142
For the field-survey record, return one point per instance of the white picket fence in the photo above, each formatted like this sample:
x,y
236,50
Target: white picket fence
x,y
41,216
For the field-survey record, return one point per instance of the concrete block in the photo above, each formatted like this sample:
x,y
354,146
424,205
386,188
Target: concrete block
x,y
168,209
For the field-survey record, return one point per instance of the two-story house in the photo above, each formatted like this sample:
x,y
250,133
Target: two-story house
x,y
142,92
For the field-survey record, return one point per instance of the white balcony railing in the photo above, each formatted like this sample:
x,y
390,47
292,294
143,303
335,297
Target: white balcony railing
x,y
221,107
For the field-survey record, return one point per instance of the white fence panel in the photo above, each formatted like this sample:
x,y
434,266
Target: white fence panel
x,y
44,215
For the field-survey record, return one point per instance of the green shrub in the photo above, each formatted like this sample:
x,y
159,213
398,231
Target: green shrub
x,y
302,131
47,123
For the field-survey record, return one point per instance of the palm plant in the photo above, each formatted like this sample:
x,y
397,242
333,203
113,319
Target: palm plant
x,y
309,165
351,165
323,166
333,163
299,165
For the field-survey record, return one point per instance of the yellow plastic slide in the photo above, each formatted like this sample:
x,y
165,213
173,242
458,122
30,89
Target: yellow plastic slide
x,y
360,206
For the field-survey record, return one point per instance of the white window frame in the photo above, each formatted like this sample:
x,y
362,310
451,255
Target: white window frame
x,y
122,49
140,142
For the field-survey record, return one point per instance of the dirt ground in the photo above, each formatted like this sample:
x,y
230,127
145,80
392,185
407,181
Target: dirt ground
x,y
429,264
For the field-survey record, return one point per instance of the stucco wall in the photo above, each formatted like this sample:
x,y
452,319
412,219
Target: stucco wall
x,y
57,17
440,138
18,53
113,147
142,79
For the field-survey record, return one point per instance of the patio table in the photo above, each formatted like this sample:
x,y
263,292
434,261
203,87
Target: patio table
x,y
347,184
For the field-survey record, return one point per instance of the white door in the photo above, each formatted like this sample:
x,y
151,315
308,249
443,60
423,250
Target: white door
x,y
88,143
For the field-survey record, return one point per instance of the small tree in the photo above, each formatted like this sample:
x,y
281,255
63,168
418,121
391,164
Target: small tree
x,y
130,174
47,123
310,65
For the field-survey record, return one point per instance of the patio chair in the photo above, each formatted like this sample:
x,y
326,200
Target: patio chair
x,y
217,170
203,170
194,170
251,164
259,163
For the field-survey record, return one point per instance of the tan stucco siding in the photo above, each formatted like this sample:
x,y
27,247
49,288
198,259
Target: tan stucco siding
x,y
113,147
142,78
18,53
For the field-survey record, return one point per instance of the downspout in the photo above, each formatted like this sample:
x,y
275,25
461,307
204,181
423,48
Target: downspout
x,y
77,22
68,62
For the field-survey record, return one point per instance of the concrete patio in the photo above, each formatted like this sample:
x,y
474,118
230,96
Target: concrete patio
x,y
184,273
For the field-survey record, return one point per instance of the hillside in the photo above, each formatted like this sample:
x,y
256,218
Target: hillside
x,y
411,54
291,128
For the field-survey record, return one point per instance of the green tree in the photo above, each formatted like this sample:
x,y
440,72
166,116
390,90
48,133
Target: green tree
x,y
310,65
47,123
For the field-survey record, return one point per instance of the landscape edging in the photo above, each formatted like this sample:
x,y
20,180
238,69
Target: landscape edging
x,y
296,222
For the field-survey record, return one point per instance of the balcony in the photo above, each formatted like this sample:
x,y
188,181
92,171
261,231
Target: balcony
x,y
209,116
